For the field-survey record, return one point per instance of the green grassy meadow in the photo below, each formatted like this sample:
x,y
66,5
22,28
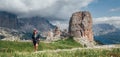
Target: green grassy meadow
x,y
25,49
74,53
9,46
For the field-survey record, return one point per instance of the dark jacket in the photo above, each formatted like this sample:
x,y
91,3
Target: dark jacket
x,y
35,37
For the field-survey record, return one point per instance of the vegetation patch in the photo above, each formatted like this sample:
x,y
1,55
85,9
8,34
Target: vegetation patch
x,y
10,46
74,53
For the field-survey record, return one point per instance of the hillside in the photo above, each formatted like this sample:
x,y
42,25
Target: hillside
x,y
10,22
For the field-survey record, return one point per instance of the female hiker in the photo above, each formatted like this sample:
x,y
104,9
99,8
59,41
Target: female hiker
x,y
35,39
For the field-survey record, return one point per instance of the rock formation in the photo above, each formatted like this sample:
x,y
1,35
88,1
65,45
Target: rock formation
x,y
53,35
49,36
80,26
64,33
57,32
10,35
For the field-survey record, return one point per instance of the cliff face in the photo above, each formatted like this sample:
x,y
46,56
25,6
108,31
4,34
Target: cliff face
x,y
80,27
8,20
35,22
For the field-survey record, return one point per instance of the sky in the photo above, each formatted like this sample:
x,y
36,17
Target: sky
x,y
61,10
104,8
105,11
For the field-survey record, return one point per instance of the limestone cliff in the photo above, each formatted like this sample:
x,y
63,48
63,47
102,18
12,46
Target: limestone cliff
x,y
80,26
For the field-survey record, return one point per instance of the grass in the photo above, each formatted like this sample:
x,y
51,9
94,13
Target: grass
x,y
9,46
25,49
74,53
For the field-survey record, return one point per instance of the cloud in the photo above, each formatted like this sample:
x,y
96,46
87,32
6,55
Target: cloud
x,y
114,9
62,24
114,20
61,9
57,9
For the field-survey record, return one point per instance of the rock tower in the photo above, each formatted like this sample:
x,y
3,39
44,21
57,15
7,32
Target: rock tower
x,y
80,27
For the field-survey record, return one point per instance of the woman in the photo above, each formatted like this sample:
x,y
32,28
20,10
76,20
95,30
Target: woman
x,y
35,39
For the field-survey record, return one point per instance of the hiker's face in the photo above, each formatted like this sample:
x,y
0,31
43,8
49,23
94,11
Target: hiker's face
x,y
35,32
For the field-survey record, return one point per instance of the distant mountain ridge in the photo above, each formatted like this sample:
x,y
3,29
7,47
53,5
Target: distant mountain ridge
x,y
103,28
27,24
9,20
10,23
106,33
109,38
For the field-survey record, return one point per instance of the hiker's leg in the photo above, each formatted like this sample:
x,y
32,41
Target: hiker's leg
x,y
36,46
34,43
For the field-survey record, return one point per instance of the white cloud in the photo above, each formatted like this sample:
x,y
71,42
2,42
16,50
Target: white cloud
x,y
114,9
60,9
114,20
62,24
57,8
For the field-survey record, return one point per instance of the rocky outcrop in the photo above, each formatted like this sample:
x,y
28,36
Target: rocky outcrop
x,y
53,35
80,26
11,35
57,32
